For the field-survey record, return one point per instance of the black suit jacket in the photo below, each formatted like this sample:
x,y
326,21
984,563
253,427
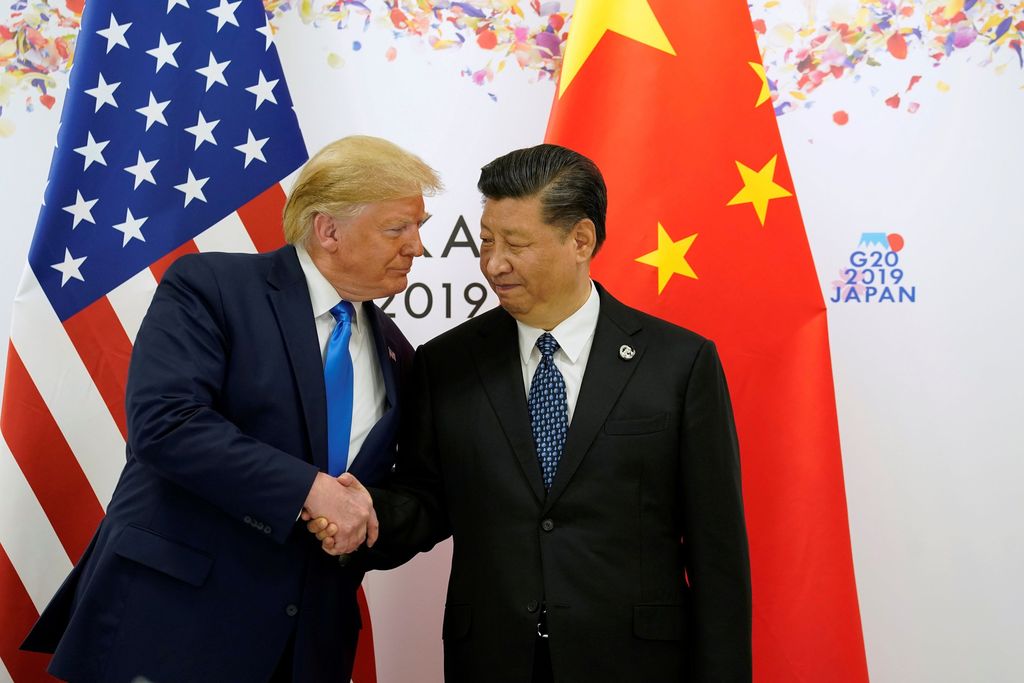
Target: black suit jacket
x,y
638,550
199,571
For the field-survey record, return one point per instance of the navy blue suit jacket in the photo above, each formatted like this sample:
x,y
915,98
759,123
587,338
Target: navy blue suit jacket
x,y
199,571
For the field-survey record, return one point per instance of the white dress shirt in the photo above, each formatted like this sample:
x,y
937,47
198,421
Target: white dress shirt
x,y
368,394
575,336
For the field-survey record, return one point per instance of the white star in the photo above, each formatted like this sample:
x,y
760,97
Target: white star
x,y
154,111
81,210
268,33
171,4
104,93
193,188
225,13
132,228
70,268
214,72
143,171
252,149
203,130
263,90
93,151
115,33
164,53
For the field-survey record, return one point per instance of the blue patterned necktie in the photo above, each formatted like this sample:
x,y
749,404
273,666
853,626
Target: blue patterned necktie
x,y
549,411
338,382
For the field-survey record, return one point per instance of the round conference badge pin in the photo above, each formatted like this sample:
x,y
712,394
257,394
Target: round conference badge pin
x,y
626,352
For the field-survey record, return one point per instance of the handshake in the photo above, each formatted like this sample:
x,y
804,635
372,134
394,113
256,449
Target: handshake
x,y
340,513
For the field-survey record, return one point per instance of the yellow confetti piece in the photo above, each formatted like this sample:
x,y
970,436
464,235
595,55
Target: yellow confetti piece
x,y
772,3
783,34
1000,69
952,8
992,22
6,128
942,86
335,61
796,94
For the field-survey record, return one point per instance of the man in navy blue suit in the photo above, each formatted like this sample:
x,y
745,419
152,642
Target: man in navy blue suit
x,y
199,571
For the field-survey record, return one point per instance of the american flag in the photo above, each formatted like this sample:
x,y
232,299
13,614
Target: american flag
x,y
176,132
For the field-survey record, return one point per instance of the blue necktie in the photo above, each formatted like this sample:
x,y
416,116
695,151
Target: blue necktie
x,y
549,411
338,382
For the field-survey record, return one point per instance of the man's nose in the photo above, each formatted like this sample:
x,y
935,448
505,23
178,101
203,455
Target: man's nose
x,y
414,247
494,264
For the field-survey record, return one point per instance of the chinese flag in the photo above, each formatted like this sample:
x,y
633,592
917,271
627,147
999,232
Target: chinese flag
x,y
670,99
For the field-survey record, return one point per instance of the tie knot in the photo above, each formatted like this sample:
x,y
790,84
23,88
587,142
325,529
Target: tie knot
x,y
343,312
547,345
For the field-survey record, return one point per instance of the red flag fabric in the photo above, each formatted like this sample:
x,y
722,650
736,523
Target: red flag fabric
x,y
670,99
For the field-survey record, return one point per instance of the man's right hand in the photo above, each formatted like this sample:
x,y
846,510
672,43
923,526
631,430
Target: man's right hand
x,y
348,507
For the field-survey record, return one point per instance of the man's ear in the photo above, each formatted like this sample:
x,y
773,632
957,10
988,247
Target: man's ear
x,y
325,232
584,237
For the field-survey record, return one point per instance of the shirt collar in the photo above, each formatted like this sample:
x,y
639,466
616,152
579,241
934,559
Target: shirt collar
x,y
572,334
322,294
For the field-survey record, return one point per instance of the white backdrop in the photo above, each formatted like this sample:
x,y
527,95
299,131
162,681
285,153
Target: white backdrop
x,y
929,392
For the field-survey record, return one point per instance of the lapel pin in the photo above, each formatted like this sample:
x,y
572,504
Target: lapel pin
x,y
626,352
391,354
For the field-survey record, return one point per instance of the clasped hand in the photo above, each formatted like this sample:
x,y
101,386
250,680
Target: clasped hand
x,y
340,513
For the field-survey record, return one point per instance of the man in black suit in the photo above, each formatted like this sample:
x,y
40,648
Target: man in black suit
x,y
582,455
199,573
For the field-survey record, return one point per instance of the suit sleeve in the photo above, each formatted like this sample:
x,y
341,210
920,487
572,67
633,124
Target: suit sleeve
x,y
174,387
714,532
411,506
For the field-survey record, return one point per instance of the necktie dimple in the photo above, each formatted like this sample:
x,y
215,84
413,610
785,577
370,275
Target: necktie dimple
x,y
338,383
549,411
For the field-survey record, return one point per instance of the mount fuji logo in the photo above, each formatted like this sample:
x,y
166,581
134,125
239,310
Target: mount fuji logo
x,y
874,273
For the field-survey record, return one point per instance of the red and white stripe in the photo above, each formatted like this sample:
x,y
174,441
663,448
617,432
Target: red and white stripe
x,y
62,429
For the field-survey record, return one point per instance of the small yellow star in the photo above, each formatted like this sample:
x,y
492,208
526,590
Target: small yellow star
x,y
669,258
759,188
593,18
766,93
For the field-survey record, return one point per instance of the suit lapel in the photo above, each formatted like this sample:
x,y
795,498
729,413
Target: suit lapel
x,y
604,379
363,466
497,359
289,298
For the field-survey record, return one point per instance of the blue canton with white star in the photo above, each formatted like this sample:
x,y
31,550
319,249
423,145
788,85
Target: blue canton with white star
x,y
549,410
177,114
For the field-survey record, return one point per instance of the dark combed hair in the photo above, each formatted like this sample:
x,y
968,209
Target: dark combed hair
x,y
569,184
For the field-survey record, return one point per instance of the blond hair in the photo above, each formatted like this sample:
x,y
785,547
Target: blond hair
x,y
350,173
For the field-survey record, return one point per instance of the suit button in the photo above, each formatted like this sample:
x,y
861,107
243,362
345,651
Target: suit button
x,y
247,519
266,529
547,525
532,606
291,610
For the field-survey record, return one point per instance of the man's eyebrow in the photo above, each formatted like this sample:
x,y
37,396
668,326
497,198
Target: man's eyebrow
x,y
514,232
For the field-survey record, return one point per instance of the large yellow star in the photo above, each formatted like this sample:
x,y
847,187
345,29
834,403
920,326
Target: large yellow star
x,y
669,258
759,188
766,93
593,18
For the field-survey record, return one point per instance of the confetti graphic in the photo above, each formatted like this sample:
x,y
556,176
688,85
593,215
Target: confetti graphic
x,y
850,38
801,54
37,40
